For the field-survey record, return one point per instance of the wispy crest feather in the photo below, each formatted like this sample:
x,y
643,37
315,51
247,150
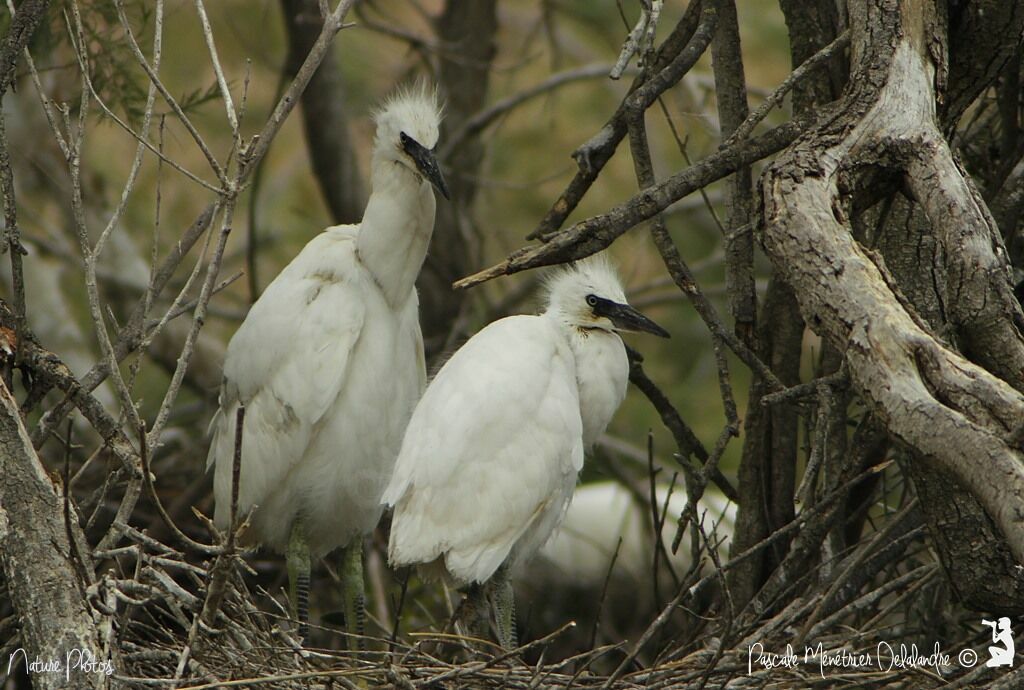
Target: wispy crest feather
x,y
410,100
597,272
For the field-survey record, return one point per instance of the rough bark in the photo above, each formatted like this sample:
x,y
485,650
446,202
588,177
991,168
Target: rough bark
x,y
731,93
40,564
952,413
979,566
324,115
767,464
767,474
468,32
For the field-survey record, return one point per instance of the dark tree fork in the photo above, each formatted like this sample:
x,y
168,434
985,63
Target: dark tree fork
x,y
958,413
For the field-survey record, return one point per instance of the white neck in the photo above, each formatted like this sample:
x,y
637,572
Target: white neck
x,y
602,371
396,228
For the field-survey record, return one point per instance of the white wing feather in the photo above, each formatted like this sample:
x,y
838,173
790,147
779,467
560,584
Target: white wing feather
x,y
490,450
273,368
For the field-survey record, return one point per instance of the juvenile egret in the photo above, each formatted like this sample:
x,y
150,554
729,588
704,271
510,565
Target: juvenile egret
x,y
329,365
605,512
605,546
490,457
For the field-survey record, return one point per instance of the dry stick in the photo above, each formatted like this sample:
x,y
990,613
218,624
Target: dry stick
x,y
22,26
132,491
398,611
653,504
261,142
252,236
793,567
76,32
147,118
47,366
222,568
686,441
485,118
236,473
222,83
131,334
808,389
694,493
78,551
676,57
599,149
198,319
681,145
164,516
859,604
604,593
154,80
653,628
180,309
493,661
12,243
96,96
784,531
683,277
594,234
826,408
731,97
45,102
640,148
775,98
154,252
730,616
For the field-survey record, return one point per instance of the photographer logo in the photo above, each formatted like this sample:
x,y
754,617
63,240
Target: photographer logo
x,y
1001,652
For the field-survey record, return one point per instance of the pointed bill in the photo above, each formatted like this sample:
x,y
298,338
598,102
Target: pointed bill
x,y
626,318
426,163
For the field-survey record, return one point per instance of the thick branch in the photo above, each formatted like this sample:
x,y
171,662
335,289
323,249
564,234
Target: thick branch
x,y
40,562
48,370
470,31
731,92
594,234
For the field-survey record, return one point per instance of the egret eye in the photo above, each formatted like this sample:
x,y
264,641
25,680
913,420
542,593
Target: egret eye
x,y
404,138
591,300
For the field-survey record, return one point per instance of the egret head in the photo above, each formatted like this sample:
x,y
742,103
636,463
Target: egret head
x,y
407,131
587,294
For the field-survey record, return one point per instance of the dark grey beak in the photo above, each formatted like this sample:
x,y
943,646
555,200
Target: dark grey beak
x,y
626,318
426,163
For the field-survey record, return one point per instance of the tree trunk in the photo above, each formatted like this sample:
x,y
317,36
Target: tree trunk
x,y
43,567
952,413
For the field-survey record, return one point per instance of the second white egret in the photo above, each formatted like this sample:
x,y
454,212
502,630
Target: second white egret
x,y
492,452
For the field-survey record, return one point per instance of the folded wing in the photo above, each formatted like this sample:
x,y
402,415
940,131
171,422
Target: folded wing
x,y
494,441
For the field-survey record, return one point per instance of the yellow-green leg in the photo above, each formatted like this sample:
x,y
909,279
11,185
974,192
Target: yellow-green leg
x,y
353,594
298,576
503,604
472,615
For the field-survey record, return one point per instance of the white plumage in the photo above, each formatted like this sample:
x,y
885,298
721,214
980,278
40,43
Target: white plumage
x,y
329,361
602,514
491,455
470,482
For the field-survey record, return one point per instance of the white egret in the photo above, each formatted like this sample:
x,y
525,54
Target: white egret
x,y
329,365
607,521
491,455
